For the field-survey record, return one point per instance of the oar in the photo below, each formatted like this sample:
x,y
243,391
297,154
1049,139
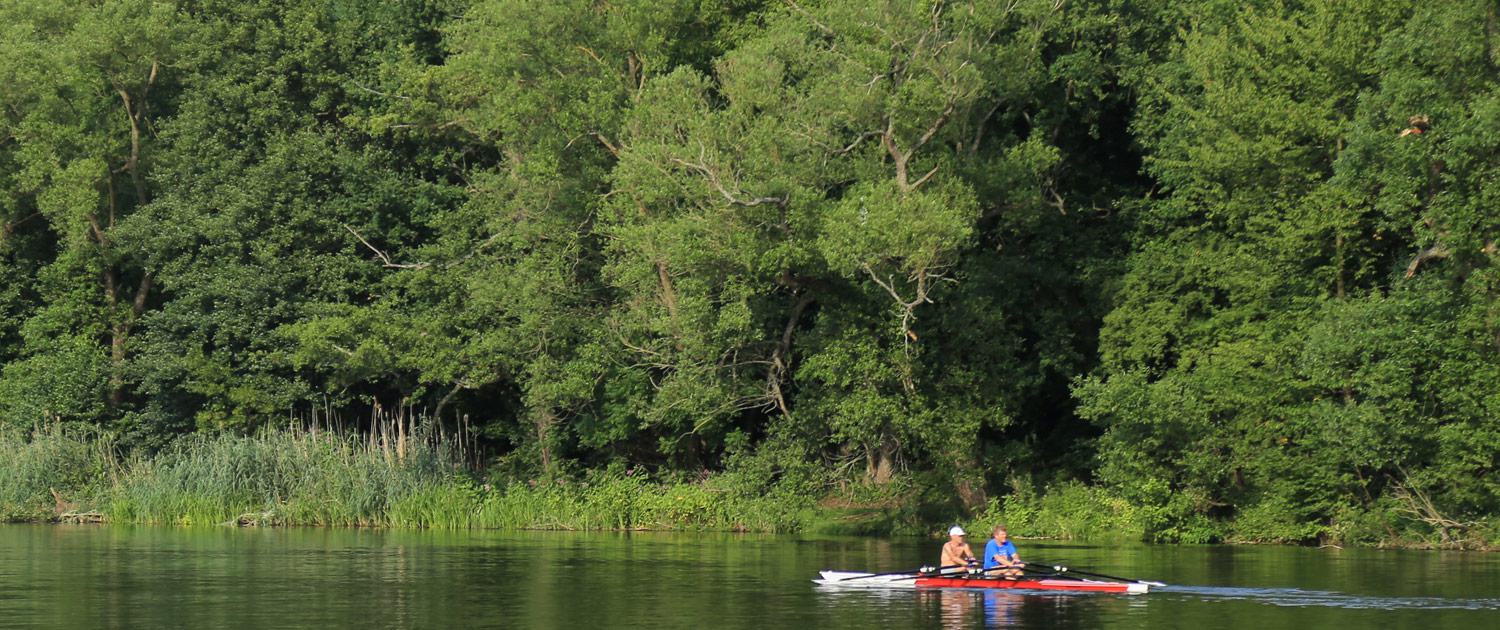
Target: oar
x,y
1045,571
918,572
939,572
1060,569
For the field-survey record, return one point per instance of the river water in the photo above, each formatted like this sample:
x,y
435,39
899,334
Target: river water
x,y
147,577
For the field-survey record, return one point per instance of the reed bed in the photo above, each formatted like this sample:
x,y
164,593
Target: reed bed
x,y
301,477
33,465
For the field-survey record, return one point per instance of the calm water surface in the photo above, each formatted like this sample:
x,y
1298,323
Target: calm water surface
x,y
127,577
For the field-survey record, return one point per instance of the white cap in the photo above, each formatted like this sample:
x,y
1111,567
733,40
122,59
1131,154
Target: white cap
x,y
956,531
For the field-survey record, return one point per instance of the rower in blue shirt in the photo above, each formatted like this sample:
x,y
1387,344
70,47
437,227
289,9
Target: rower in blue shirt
x,y
1001,556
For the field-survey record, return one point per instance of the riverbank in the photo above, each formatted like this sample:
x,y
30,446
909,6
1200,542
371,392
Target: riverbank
x,y
299,478
319,479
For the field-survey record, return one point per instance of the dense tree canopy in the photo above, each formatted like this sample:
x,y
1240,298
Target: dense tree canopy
x,y
1235,262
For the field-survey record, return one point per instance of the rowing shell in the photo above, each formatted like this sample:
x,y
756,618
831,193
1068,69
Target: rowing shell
x,y
845,579
1085,586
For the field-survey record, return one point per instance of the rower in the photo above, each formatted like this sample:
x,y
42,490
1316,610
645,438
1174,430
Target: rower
x,y
956,552
1000,556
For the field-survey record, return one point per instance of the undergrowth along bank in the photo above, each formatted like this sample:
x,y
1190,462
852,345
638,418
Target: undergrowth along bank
x,y
1076,511
303,478
306,478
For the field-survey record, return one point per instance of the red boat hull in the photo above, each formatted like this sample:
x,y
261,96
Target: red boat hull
x,y
1025,584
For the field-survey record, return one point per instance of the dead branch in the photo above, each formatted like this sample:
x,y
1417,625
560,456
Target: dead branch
x,y
981,127
379,93
923,279
718,184
1437,251
474,252
1419,505
592,55
385,259
932,130
821,27
7,229
608,146
1057,201
858,141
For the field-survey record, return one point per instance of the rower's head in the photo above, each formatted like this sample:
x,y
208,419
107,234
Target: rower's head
x,y
1000,533
956,534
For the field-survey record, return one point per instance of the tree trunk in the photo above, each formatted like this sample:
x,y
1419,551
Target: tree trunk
x,y
971,492
544,420
880,462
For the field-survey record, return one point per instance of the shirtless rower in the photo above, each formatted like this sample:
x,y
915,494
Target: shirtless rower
x,y
956,552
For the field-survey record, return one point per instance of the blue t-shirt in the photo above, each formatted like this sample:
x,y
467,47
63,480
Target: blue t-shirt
x,y
992,549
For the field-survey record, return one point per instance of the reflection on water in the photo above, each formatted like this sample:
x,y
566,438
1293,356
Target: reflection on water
x,y
1001,609
988,608
124,577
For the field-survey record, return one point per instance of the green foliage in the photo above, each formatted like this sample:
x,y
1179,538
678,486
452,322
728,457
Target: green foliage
x,y
1068,511
1291,342
1204,270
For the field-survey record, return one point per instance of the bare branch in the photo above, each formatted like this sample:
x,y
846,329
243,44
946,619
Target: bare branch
x,y
923,179
889,287
7,229
1057,201
798,8
386,260
379,93
1419,505
1437,251
473,252
858,141
586,50
609,146
980,128
942,119
718,185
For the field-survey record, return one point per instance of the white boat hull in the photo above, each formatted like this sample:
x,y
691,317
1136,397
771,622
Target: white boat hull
x,y
844,579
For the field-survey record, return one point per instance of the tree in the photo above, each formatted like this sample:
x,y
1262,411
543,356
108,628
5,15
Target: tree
x,y
79,127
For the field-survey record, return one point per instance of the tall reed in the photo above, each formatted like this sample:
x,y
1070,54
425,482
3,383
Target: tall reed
x,y
401,478
49,469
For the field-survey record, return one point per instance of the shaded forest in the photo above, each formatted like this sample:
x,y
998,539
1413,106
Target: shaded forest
x,y
1233,264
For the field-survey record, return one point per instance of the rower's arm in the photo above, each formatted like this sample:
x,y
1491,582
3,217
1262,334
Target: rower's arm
x,y
1013,560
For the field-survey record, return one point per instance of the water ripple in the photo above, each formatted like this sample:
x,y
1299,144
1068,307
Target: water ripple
x,y
1296,597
